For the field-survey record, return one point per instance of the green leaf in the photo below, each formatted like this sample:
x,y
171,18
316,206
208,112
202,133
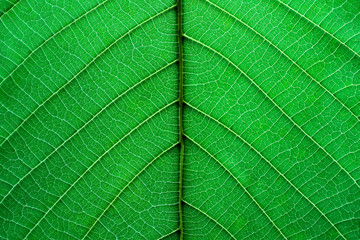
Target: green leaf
x,y
193,119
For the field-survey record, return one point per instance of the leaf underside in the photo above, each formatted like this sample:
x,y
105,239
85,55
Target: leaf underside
x,y
90,120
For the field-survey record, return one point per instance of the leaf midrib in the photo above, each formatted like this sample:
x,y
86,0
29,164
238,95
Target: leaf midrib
x,y
181,111
182,103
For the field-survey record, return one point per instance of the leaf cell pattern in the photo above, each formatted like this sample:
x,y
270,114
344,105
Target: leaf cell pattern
x,y
192,119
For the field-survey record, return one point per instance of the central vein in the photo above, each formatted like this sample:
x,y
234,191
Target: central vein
x,y
181,110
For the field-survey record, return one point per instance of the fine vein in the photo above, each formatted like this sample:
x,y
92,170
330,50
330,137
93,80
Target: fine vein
x,y
82,70
275,104
95,162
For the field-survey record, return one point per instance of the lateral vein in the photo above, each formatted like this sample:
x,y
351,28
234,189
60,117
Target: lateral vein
x,y
240,184
287,56
82,70
125,187
269,162
84,126
209,217
276,105
317,25
94,163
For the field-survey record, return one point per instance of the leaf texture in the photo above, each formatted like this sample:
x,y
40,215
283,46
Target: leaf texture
x,y
193,119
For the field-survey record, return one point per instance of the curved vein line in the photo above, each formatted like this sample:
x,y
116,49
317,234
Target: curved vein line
x,y
166,235
94,163
83,126
275,104
83,69
9,9
269,162
240,184
51,37
317,25
287,56
125,187
208,216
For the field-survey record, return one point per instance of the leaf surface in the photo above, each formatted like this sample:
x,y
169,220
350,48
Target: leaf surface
x,y
195,119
